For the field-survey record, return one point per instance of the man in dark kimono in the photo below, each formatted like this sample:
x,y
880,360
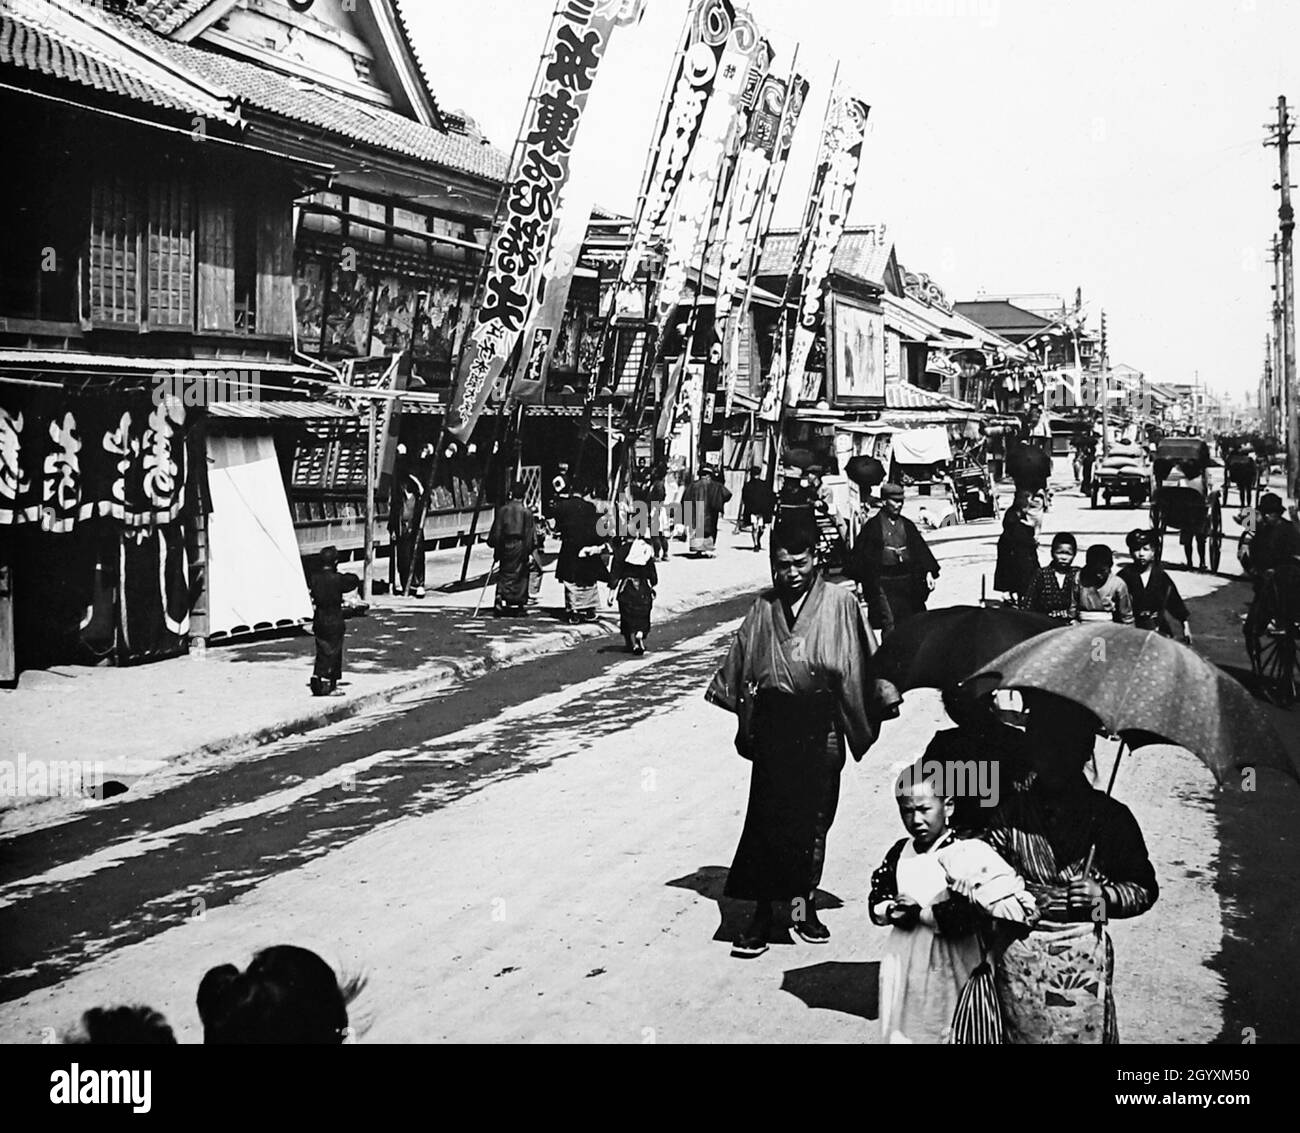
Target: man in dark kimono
x,y
893,564
796,678
513,536
702,505
580,566
327,589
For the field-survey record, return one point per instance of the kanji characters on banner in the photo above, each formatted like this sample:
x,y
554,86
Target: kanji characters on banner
x,y
694,72
846,123
66,460
581,32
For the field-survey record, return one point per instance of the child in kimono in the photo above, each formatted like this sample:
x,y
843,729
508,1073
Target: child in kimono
x,y
1054,590
934,946
1103,597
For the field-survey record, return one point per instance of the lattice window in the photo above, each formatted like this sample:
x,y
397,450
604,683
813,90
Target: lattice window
x,y
629,357
113,283
170,238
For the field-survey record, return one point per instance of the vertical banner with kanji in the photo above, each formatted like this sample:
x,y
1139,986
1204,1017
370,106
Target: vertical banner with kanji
x,y
846,124
556,280
796,94
694,72
580,34
697,205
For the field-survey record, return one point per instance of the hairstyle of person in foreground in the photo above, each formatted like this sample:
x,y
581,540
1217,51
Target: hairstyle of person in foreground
x,y
286,995
121,1026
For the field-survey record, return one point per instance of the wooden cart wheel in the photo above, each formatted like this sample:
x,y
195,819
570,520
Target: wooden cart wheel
x,y
1277,665
1215,533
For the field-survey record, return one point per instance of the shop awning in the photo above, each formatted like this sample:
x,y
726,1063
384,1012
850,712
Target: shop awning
x,y
922,446
280,410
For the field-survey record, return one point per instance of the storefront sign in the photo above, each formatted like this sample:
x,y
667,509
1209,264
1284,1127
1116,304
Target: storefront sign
x,y
66,460
581,33
856,360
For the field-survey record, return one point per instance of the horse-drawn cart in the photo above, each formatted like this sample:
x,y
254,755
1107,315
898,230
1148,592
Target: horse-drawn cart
x,y
1183,500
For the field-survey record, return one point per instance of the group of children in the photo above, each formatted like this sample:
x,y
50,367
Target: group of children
x,y
1139,594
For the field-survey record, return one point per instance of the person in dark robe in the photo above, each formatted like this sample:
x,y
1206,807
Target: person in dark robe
x,y
513,537
757,503
327,589
1083,859
1274,541
980,753
1155,599
893,564
796,677
580,566
702,506
632,579
1017,551
406,540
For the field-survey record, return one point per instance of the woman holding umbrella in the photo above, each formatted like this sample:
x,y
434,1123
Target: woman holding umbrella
x,y
1084,860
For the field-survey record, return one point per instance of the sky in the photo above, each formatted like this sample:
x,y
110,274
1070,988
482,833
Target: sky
x,y
1013,146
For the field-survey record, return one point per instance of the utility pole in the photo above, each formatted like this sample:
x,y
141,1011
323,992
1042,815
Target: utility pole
x,y
1103,380
1279,387
1280,136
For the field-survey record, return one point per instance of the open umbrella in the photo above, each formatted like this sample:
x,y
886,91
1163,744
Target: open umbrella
x,y
939,648
1137,681
801,458
1028,465
864,471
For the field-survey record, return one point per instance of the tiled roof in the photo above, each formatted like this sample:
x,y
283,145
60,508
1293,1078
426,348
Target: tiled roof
x,y
29,46
165,16
999,315
858,256
300,100
336,113
904,395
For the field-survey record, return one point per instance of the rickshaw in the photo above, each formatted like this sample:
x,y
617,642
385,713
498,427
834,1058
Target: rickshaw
x,y
1186,503
1271,631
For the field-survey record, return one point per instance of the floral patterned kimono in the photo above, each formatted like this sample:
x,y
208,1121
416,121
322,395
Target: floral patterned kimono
x,y
1054,986
798,685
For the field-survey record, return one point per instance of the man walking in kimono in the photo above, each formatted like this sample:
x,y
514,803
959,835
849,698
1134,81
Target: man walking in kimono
x,y
796,678
893,564
513,536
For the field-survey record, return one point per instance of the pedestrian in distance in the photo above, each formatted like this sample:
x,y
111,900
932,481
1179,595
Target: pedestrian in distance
x,y
893,564
1054,590
1103,596
513,538
406,541
287,995
1017,551
581,565
660,520
757,502
702,506
934,948
328,586
632,580
1156,603
796,678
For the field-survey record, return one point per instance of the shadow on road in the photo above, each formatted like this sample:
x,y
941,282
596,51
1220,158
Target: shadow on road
x,y
1259,856
710,881
851,988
